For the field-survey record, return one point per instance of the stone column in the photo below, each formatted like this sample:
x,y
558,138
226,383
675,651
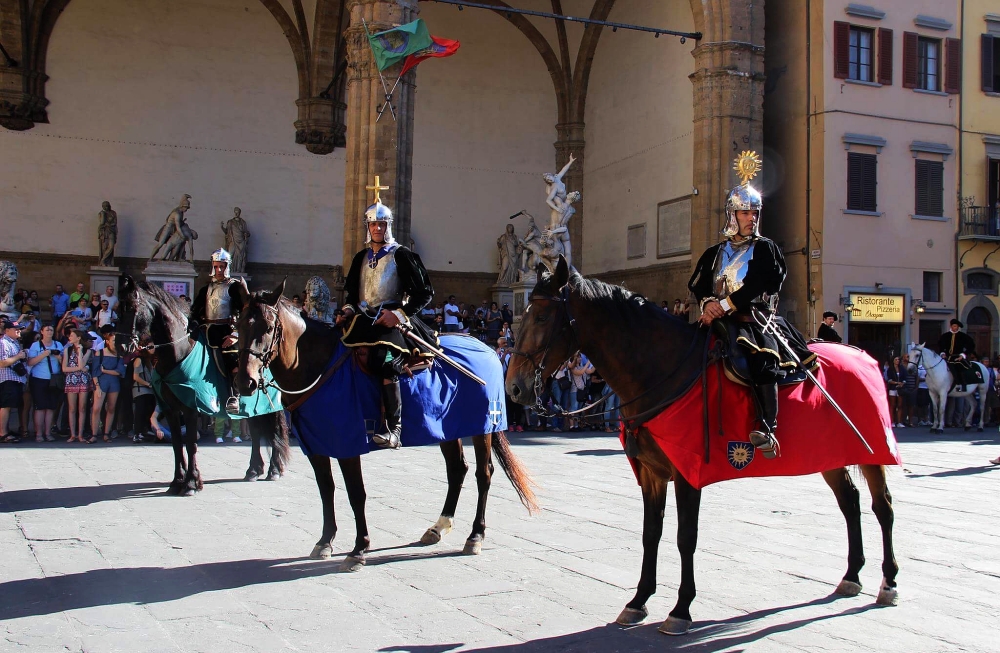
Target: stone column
x,y
384,148
728,116
571,141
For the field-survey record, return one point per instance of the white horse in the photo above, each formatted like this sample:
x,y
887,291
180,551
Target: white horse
x,y
939,382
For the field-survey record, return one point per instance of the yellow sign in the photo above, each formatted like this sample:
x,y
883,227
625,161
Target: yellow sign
x,y
880,309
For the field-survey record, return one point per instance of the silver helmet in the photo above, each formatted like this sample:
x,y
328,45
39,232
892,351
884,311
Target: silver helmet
x,y
222,256
379,212
744,197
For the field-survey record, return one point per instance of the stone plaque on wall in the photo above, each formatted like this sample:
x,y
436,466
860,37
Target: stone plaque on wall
x,y
673,227
635,246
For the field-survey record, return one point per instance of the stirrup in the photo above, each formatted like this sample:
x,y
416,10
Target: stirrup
x,y
389,440
233,405
765,443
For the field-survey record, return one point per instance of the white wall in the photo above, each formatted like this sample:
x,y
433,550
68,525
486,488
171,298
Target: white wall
x,y
150,100
484,132
639,131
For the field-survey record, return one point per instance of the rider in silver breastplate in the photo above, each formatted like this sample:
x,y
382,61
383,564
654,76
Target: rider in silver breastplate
x,y
215,310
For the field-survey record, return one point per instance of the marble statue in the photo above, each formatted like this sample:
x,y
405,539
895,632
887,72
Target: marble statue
x,y
237,236
561,205
107,235
530,248
317,300
507,243
175,235
8,281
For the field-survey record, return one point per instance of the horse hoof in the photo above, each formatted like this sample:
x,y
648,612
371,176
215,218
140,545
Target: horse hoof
x,y
430,536
352,564
251,477
321,552
273,475
473,547
979,430
848,588
188,492
674,626
632,617
968,428
887,595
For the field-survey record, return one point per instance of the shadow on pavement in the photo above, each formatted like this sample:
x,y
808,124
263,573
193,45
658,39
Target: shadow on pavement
x,y
75,497
597,452
705,637
139,585
965,471
920,434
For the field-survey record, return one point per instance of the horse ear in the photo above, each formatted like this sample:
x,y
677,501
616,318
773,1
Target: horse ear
x,y
125,284
271,298
562,272
244,291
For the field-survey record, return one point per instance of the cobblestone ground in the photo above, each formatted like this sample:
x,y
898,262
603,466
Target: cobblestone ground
x,y
96,557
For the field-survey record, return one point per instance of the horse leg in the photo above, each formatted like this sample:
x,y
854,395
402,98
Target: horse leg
x,y
355,483
982,408
324,482
654,500
849,500
688,505
882,507
177,444
276,433
192,480
457,468
256,468
484,474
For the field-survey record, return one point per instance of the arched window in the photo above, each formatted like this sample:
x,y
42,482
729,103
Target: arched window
x,y
979,316
978,281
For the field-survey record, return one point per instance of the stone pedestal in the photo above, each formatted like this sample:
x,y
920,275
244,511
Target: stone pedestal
x,y
503,295
101,277
520,291
176,277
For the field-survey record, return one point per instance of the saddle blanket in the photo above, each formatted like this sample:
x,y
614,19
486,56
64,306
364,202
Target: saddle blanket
x,y
813,436
199,383
439,404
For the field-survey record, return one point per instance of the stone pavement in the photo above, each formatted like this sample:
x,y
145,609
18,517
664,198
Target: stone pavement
x,y
96,558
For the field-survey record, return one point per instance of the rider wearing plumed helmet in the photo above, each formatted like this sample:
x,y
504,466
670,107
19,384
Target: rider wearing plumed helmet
x,y
216,309
386,285
736,283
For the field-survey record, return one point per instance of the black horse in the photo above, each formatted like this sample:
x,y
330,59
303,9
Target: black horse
x,y
635,344
148,310
298,351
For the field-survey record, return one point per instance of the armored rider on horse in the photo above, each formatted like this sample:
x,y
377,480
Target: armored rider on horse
x,y
386,286
736,283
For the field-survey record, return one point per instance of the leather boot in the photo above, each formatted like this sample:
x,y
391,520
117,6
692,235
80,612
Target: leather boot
x,y
393,406
766,398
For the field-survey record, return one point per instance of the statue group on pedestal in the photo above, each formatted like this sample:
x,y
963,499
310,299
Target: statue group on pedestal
x,y
520,256
175,235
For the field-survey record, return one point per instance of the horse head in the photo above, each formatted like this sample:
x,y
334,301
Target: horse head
x,y
259,332
545,339
127,341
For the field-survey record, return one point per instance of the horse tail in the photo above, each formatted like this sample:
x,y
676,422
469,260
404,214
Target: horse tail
x,y
516,472
278,439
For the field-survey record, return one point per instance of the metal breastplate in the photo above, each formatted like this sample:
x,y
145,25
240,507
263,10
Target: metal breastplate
x,y
218,303
381,284
731,268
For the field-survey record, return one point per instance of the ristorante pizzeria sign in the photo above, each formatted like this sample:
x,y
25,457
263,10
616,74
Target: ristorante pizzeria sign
x,y
882,309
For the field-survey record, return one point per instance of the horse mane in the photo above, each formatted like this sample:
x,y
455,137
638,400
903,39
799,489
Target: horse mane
x,y
165,300
262,296
621,303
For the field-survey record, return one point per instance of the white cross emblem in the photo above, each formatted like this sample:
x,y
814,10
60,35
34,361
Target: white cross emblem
x,y
496,411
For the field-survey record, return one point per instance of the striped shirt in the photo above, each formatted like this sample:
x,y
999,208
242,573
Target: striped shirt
x,y
8,349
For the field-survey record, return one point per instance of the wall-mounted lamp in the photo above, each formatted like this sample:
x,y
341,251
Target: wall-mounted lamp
x,y
878,286
919,307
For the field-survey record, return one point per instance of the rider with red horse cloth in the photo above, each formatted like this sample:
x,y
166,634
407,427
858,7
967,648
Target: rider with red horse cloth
x,y
736,283
386,286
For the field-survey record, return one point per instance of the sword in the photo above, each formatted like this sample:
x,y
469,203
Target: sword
x,y
408,332
769,327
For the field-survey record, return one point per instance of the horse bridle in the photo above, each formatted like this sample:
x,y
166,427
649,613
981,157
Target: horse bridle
x,y
133,337
267,356
539,366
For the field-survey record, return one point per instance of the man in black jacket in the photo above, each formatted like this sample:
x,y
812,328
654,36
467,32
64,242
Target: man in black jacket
x,y
958,348
736,283
387,285
826,330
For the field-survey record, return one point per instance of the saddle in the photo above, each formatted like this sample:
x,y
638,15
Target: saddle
x,y
734,360
965,373
412,364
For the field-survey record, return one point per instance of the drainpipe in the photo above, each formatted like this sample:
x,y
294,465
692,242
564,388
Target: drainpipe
x,y
961,163
810,303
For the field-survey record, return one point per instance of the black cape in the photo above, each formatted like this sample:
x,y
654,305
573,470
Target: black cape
x,y
765,273
417,293
828,333
950,344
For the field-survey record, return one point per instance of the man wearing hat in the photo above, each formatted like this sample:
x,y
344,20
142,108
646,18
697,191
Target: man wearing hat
x,y
958,348
13,375
826,330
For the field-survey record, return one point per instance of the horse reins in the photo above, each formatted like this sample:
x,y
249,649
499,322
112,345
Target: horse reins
x,y
270,354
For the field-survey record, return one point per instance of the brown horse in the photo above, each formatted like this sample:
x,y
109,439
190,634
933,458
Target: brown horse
x,y
148,310
634,344
273,334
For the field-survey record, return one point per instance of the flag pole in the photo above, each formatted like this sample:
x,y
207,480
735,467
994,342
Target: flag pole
x,y
388,97
385,88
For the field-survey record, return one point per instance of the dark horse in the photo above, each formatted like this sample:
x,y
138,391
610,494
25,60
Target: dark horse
x,y
298,351
634,344
147,309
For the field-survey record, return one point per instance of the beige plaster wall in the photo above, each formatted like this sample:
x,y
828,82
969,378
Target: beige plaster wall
x,y
484,128
893,248
639,132
150,100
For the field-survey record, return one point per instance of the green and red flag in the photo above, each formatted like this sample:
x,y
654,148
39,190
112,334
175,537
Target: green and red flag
x,y
396,44
439,48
